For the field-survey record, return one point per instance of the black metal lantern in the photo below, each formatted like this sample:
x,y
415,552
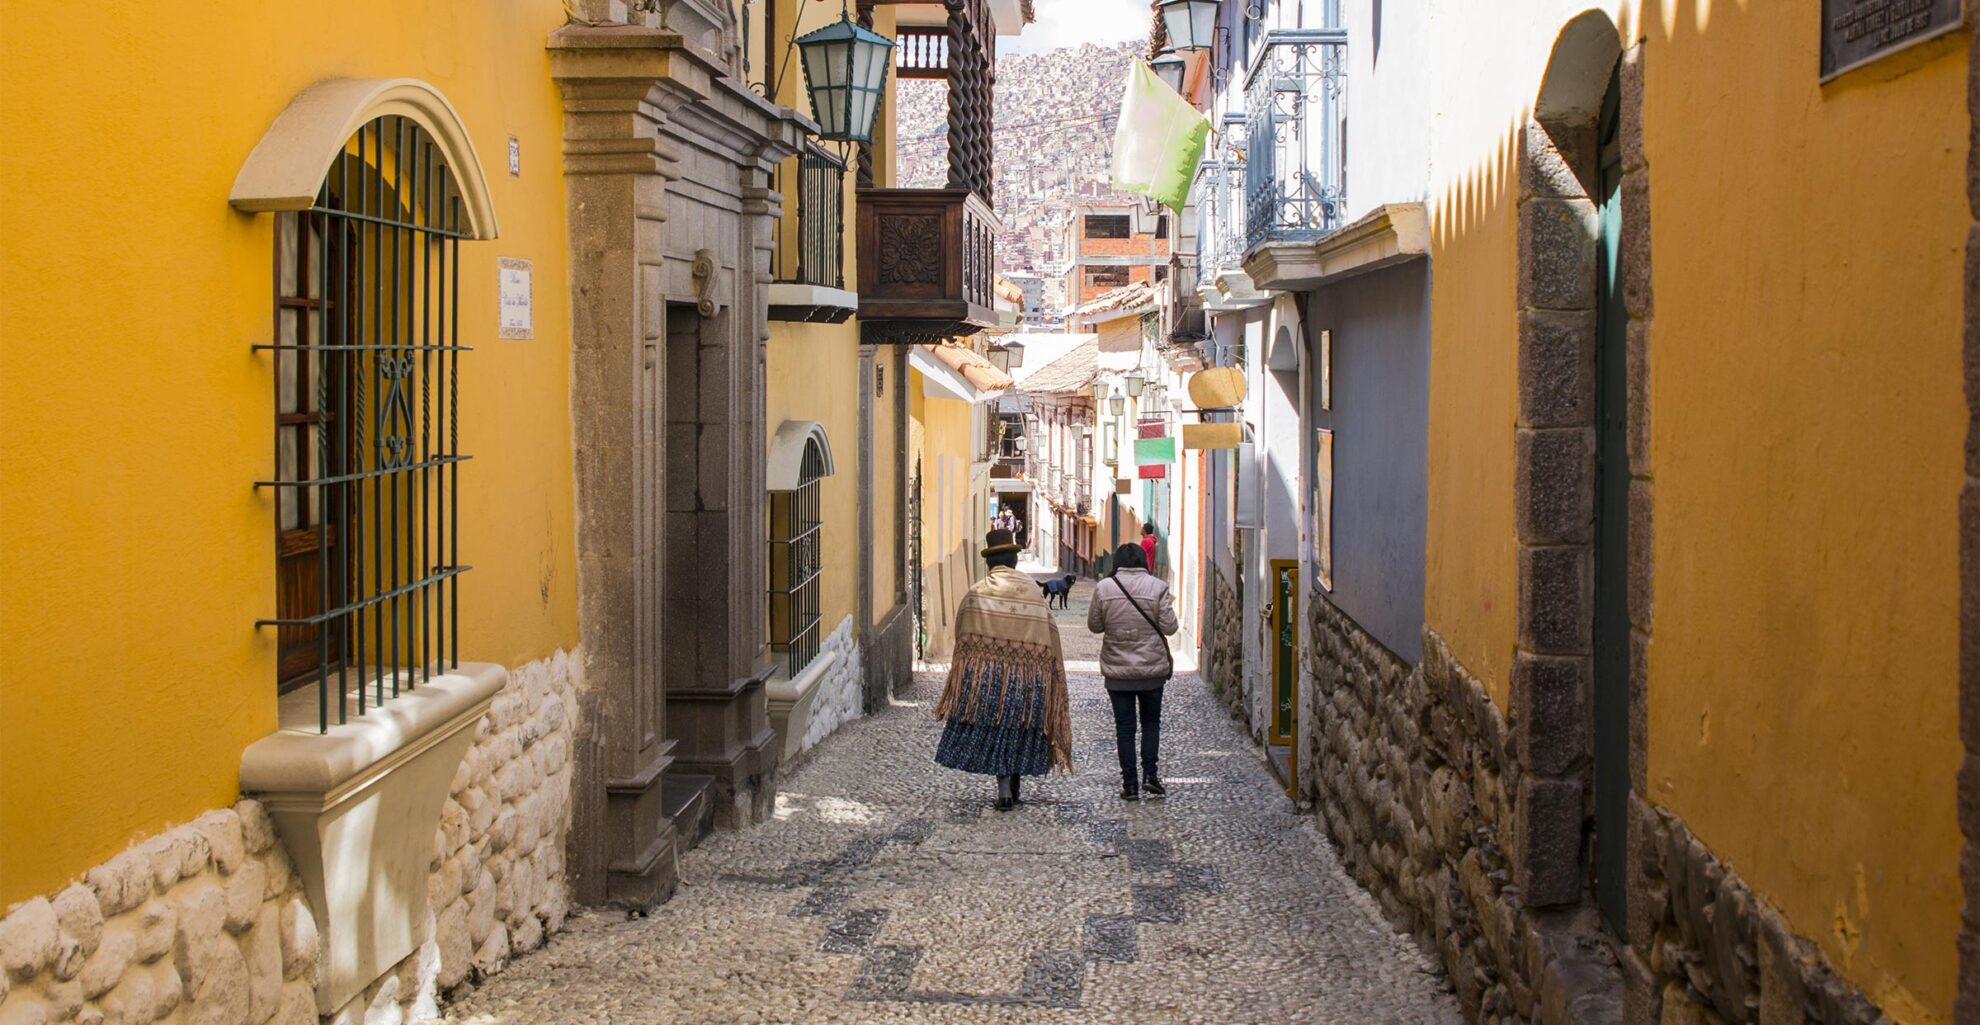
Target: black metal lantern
x,y
845,71
1016,349
1190,23
1169,67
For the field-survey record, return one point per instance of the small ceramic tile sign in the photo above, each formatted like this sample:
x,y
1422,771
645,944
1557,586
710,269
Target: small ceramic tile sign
x,y
517,320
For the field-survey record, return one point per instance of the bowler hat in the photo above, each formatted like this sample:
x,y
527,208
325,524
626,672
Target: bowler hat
x,y
1000,540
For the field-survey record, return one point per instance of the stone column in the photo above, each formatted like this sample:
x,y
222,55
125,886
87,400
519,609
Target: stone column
x,y
616,172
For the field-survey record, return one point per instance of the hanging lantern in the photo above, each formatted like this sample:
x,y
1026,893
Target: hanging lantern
x,y
1135,382
845,72
1117,404
1100,389
1190,23
1016,351
1169,67
999,357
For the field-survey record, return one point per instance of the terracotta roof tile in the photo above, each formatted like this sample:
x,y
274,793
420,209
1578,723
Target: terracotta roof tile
x,y
974,368
1069,374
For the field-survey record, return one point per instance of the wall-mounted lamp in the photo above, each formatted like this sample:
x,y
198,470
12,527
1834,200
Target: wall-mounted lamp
x,y
1169,67
1100,389
1135,383
1190,23
1117,404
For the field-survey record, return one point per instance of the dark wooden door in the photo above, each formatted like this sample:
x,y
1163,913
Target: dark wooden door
x,y
308,392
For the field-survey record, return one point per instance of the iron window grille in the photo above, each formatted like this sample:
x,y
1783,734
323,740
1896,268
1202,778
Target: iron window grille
x,y
1294,97
813,252
366,363
796,530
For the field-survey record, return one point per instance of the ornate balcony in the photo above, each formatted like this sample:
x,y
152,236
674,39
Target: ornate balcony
x,y
1294,192
810,280
927,265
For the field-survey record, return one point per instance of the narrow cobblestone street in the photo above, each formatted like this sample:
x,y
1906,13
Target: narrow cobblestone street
x,y
887,890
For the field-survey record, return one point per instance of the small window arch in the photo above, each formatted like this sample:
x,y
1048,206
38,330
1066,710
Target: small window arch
x,y
800,460
366,356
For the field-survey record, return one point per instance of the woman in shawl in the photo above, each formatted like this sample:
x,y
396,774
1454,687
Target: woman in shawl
x,y
1005,701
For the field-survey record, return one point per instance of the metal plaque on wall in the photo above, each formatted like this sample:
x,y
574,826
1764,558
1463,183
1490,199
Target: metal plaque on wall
x,y
1856,32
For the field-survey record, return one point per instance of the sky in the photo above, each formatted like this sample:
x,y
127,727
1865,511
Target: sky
x,y
1072,22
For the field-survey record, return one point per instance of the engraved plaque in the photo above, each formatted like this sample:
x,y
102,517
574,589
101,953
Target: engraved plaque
x,y
1856,32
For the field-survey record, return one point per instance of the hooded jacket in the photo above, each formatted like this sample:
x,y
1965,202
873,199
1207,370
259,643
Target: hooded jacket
x,y
1131,649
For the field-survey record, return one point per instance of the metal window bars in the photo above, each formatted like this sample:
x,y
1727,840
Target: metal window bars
x,y
796,529
1294,99
366,362
810,248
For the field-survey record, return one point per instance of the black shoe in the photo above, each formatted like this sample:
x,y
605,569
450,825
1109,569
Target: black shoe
x,y
1155,788
1005,793
1130,792
1015,782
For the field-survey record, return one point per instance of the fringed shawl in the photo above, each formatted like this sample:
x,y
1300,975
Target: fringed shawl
x,y
1003,623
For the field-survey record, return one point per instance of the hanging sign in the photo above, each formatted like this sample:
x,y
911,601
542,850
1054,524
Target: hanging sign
x,y
517,318
1217,387
1149,451
1212,435
1153,471
1151,429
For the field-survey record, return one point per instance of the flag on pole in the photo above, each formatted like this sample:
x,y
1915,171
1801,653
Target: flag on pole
x,y
1158,141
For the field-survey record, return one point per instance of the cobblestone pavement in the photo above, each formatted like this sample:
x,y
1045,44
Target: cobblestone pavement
x,y
887,890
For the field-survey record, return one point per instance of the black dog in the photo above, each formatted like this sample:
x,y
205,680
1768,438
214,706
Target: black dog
x,y
1058,591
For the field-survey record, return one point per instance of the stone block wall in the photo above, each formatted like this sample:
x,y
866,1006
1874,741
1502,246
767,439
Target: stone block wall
x,y
207,922
1416,775
1224,654
842,693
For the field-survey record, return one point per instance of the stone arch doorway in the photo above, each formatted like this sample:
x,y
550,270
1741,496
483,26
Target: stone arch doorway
x,y
1582,476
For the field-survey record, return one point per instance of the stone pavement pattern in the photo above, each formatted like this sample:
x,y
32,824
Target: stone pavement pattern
x,y
887,890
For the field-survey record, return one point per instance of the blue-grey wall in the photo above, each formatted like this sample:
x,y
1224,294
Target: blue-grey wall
x,y
1380,418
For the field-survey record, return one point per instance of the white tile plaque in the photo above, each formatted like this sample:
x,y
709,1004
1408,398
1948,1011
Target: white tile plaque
x,y
517,320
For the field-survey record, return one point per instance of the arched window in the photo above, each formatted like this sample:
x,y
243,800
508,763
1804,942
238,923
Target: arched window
x,y
366,355
800,460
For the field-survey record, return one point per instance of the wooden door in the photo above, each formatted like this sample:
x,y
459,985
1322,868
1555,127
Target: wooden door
x,y
1611,668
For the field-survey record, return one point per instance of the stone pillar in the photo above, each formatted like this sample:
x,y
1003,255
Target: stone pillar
x,y
669,322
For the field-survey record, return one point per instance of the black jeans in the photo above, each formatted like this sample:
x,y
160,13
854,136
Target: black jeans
x,y
1150,702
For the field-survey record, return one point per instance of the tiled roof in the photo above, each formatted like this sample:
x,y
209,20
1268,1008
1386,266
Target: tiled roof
x,y
974,368
1069,374
1009,292
1126,297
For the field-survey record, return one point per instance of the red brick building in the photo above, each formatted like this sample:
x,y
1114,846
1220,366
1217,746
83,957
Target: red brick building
x,y
1108,245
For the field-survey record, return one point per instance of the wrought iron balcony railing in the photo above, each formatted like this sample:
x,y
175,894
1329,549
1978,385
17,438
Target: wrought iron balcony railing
x,y
813,251
1294,181
1220,201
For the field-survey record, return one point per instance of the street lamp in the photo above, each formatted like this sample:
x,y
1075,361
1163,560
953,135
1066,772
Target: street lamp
x,y
1190,23
1117,404
1014,353
1019,443
1100,389
845,71
1000,358
1169,67
1135,382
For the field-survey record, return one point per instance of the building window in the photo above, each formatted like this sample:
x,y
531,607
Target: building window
x,y
366,433
1161,274
1162,226
796,526
1106,226
1109,277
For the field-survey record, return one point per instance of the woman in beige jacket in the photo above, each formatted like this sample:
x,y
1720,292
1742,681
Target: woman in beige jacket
x,y
1132,609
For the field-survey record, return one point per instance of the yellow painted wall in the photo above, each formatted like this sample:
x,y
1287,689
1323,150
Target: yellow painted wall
x,y
1807,442
949,513
137,556
1807,424
812,373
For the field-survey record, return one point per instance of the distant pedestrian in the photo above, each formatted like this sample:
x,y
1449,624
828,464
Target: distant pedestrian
x,y
1005,701
1132,609
1148,546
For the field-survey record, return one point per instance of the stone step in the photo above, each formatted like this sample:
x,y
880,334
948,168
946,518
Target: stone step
x,y
684,798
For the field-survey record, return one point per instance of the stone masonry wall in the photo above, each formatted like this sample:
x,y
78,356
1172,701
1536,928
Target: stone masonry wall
x,y
1224,667
1414,773
842,693
207,923
204,922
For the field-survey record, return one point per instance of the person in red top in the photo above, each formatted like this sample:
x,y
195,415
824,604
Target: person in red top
x,y
1148,544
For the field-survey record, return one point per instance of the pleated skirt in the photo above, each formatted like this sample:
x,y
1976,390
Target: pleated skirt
x,y
995,744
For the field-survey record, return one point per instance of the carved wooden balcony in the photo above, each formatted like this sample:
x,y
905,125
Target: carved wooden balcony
x,y
927,265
